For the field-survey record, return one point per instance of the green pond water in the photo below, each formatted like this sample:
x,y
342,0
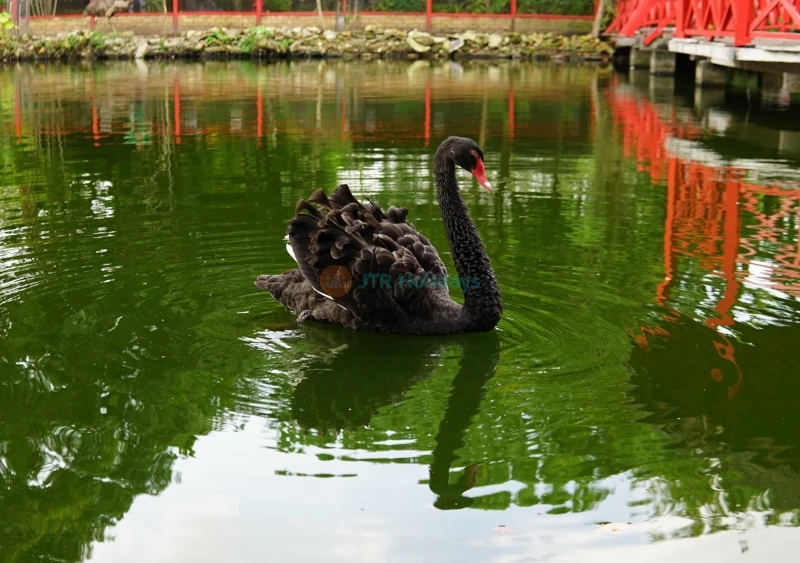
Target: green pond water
x,y
155,406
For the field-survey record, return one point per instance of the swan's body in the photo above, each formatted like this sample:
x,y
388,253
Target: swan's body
x,y
398,282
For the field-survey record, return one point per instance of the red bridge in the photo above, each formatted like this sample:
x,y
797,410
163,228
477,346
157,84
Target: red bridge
x,y
739,21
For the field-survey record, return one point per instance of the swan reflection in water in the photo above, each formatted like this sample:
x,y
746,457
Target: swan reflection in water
x,y
343,392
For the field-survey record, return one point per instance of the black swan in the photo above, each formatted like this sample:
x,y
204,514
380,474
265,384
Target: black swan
x,y
366,269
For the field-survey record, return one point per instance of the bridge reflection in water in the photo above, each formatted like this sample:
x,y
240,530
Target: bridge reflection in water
x,y
731,268
723,221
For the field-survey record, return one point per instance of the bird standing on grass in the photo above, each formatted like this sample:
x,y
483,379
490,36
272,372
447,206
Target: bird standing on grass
x,y
107,8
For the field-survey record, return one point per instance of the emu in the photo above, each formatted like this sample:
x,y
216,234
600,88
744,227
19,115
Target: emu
x,y
107,8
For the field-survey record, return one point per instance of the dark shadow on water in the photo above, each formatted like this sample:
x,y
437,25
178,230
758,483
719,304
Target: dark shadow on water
x,y
478,365
345,390
688,390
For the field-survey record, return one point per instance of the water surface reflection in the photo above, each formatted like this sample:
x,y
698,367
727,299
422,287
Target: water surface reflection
x,y
643,371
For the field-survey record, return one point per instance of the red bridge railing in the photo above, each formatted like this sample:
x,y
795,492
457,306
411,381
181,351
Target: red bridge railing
x,y
742,20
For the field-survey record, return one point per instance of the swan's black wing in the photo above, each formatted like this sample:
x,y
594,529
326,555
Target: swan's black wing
x,y
394,268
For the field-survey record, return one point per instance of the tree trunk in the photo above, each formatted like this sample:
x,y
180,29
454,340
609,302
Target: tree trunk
x,y
319,11
598,18
340,17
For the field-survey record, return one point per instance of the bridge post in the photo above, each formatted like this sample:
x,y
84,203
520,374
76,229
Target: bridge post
x,y
786,82
791,82
773,88
709,75
640,58
662,62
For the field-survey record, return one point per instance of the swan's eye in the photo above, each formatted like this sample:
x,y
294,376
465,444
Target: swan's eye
x,y
475,154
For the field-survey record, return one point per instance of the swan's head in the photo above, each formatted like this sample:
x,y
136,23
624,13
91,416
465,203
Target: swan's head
x,y
469,156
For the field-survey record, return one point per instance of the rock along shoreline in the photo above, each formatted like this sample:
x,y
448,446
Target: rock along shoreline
x,y
308,42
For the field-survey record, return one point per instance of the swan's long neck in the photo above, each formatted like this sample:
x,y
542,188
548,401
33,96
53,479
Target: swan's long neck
x,y
482,301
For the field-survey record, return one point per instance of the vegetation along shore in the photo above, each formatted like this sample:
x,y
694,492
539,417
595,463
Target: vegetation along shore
x,y
306,42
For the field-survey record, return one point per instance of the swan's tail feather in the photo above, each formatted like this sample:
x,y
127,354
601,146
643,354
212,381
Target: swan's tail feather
x,y
341,196
268,283
294,292
320,198
290,289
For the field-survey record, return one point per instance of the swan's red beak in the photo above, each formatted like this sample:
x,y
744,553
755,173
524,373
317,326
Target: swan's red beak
x,y
480,175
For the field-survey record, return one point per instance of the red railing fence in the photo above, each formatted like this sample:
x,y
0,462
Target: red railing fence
x,y
257,9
